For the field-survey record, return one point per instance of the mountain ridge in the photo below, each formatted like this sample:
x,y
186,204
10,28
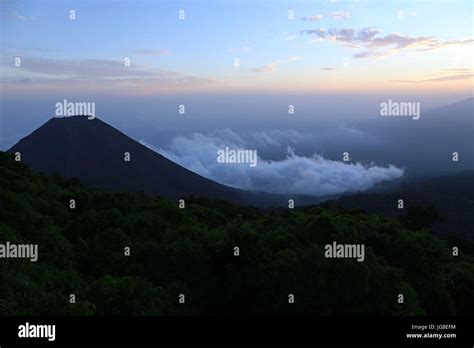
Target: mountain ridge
x,y
94,152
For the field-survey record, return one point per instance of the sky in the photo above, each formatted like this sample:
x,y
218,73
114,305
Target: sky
x,y
237,65
302,46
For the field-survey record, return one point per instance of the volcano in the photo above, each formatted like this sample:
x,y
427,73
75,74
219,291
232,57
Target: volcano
x,y
103,157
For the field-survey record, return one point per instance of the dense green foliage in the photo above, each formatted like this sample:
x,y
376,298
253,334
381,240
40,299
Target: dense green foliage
x,y
191,251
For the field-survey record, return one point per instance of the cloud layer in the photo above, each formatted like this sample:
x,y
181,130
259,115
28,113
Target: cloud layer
x,y
294,174
312,18
373,44
95,73
340,15
272,67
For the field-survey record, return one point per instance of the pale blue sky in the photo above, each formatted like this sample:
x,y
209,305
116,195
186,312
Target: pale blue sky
x,y
274,51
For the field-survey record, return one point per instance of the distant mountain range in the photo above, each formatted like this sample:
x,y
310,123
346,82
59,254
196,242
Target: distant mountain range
x,y
430,141
452,196
95,153
425,145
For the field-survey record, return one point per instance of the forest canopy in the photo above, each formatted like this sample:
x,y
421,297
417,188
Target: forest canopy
x,y
192,251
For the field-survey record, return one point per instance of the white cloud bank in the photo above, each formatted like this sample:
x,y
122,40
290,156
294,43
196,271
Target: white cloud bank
x,y
295,174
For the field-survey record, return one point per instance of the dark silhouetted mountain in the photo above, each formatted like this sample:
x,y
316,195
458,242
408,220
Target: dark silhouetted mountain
x,y
94,152
425,145
452,196
460,112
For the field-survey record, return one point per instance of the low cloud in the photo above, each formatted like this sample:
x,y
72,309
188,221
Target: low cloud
x,y
86,68
19,16
92,73
312,18
272,67
340,15
243,48
452,78
294,174
457,77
